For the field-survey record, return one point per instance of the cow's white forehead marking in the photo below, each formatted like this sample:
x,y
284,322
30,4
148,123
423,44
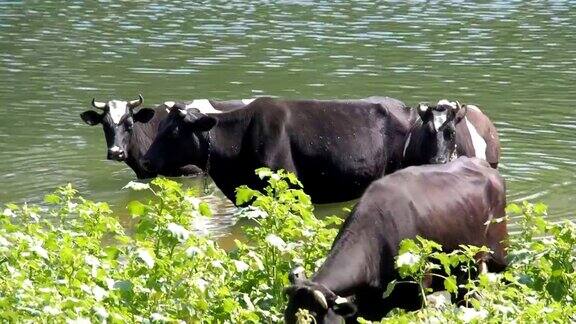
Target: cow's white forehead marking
x,y
439,118
114,149
477,141
117,109
203,105
445,102
247,101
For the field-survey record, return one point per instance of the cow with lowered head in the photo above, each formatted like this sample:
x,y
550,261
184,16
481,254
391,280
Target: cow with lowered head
x,y
336,148
452,204
129,133
443,132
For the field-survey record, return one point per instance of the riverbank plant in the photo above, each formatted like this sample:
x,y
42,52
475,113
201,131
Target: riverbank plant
x,y
72,261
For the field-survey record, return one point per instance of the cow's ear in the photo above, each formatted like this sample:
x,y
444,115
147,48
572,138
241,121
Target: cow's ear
x,y
425,111
91,117
344,308
202,123
290,290
144,115
460,112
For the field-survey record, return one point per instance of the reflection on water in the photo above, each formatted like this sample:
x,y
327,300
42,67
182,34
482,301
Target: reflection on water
x,y
516,60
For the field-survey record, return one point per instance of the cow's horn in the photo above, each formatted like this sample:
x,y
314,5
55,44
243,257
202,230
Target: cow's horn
x,y
458,105
98,104
319,296
182,111
135,103
340,300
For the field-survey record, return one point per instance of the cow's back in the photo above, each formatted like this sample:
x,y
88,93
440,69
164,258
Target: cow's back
x,y
229,105
337,148
448,203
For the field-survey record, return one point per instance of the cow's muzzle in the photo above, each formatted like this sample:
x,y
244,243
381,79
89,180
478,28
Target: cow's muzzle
x,y
116,154
439,160
147,165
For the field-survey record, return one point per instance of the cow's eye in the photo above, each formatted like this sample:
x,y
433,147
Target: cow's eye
x,y
449,134
128,123
175,132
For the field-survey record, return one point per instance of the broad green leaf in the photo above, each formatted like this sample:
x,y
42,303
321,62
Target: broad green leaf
x,y
513,209
263,173
557,288
540,209
450,284
244,195
204,209
52,199
389,288
229,305
136,208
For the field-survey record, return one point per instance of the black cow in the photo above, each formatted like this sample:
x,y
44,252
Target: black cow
x,y
129,134
450,203
336,148
443,132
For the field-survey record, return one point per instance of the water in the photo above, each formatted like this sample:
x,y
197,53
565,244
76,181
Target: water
x,y
516,60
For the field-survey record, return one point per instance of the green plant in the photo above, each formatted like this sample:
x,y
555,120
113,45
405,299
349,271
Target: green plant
x,y
537,287
284,233
72,261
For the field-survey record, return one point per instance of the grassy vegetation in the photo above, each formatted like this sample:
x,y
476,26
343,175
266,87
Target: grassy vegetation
x,y
73,262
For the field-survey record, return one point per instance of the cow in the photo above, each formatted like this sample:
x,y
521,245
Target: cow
x,y
453,203
336,148
129,134
448,130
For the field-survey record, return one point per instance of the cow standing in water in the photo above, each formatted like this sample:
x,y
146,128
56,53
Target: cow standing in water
x,y
452,204
443,132
129,133
336,148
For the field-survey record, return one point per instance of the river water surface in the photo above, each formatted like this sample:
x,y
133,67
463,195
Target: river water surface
x,y
516,60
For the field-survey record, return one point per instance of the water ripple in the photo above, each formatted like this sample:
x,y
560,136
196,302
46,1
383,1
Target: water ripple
x,y
514,59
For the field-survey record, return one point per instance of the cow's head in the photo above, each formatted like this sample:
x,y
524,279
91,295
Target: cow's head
x,y
319,301
181,139
432,139
117,119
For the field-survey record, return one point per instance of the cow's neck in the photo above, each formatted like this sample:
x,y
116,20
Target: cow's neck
x,y
414,151
351,265
227,167
140,140
142,136
205,147
223,144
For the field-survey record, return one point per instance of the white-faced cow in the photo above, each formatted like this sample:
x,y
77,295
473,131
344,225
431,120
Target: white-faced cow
x,y
448,130
129,133
336,148
452,204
